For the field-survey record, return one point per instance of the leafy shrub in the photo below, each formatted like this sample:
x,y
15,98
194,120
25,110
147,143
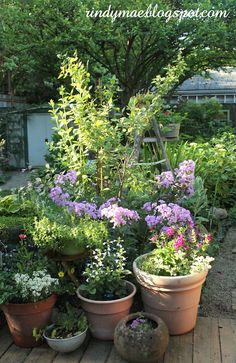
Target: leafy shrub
x,y
202,119
215,164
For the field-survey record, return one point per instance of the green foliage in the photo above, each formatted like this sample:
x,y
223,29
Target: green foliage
x,y
202,120
105,273
12,226
12,204
67,324
215,164
53,235
32,33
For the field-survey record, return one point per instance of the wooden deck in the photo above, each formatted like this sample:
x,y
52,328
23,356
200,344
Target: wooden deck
x,y
212,341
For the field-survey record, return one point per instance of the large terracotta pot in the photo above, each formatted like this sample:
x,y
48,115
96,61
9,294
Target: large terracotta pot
x,y
145,347
23,318
174,299
103,316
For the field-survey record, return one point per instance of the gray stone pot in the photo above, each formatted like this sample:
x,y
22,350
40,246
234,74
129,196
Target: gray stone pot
x,y
145,347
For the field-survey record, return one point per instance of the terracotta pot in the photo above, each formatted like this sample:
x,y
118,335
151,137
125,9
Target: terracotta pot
x,y
172,132
23,318
174,299
71,249
145,347
103,316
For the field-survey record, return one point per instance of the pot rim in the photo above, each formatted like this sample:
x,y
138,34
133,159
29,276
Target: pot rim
x,y
61,339
150,316
91,301
51,297
173,278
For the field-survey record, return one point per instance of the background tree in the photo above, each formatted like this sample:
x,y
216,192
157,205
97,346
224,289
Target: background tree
x,y
134,50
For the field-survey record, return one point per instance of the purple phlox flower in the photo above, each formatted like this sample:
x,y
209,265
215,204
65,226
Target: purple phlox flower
x,y
58,197
118,215
108,203
179,242
70,176
152,221
184,176
165,179
83,208
149,206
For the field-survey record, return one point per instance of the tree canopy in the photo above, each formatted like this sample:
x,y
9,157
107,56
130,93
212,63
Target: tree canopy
x,y
135,50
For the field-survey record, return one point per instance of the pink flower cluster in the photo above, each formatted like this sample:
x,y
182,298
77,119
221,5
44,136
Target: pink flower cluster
x,y
180,181
119,216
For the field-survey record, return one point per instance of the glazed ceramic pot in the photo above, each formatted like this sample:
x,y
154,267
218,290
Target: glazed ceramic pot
x,y
64,345
103,316
174,299
23,318
145,347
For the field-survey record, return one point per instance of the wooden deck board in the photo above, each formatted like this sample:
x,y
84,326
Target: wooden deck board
x,y
227,328
180,349
206,341
212,341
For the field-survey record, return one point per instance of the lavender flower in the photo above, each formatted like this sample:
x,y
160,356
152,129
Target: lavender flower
x,y
83,208
118,215
70,176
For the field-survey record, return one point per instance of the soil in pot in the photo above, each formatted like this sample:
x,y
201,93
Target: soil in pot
x,y
23,318
139,344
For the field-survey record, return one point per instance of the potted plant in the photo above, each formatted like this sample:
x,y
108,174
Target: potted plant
x,y
169,122
171,276
105,296
68,331
27,294
141,338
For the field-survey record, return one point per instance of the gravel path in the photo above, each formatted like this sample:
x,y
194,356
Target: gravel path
x,y
221,281
17,179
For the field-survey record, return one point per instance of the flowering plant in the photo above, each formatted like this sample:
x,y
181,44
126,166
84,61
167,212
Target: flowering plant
x,y
105,273
141,324
181,248
24,277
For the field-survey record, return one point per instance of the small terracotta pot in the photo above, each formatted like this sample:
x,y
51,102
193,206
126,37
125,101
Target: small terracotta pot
x,y
23,318
145,347
103,316
174,299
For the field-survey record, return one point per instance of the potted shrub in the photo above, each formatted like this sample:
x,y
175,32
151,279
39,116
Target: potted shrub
x,y
141,338
169,122
105,296
68,331
27,294
171,276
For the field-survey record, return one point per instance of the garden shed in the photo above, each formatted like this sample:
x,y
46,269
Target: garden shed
x,y
220,84
26,132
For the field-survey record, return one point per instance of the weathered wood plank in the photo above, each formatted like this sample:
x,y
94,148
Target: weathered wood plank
x,y
42,354
73,357
114,357
227,328
206,341
180,349
97,351
5,340
15,355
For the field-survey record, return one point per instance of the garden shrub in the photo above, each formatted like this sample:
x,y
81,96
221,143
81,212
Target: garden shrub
x,y
11,227
202,120
215,164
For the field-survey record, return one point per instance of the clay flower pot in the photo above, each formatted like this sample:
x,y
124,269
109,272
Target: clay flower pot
x,y
141,347
103,316
174,299
23,318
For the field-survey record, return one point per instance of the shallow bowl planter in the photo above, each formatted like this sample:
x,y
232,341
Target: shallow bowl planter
x,y
65,345
103,316
145,347
174,299
23,318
